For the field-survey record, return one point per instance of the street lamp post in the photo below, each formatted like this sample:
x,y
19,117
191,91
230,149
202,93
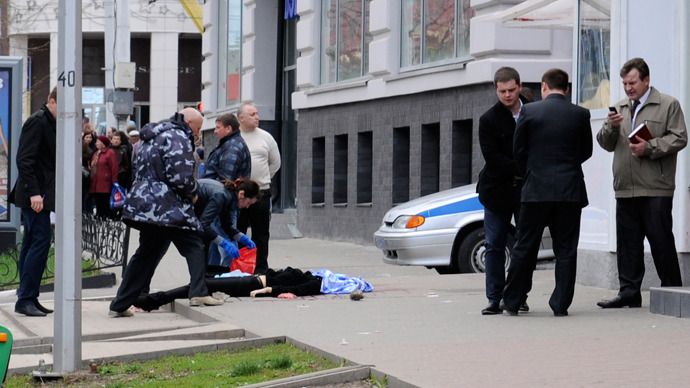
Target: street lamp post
x,y
67,323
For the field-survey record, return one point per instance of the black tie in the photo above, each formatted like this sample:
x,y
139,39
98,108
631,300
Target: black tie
x,y
635,104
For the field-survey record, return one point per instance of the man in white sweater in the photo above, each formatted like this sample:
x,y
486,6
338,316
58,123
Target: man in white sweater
x,y
265,163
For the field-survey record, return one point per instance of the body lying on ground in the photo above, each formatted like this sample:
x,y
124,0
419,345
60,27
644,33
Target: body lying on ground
x,y
283,283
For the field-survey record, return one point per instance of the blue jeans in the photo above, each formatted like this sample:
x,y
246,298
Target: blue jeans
x,y
34,254
496,229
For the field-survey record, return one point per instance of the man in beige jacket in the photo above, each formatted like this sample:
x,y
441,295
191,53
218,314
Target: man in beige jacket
x,y
644,180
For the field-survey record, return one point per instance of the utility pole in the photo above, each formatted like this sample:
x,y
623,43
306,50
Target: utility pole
x,y
67,321
117,52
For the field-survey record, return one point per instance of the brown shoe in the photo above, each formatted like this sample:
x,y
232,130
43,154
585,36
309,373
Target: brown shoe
x,y
205,301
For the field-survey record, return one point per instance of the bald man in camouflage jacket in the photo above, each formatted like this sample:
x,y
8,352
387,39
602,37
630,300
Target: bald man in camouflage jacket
x,y
161,206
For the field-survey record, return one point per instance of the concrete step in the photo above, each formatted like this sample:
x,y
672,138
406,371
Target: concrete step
x,y
672,301
284,225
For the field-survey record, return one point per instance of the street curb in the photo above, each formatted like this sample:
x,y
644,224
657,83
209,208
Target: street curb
x,y
340,375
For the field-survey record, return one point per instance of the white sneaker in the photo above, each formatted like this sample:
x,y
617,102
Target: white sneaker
x,y
205,301
122,314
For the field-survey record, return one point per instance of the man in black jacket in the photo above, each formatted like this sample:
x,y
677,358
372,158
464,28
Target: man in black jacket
x,y
552,139
499,181
34,193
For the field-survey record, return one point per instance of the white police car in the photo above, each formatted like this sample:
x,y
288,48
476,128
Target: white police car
x,y
444,231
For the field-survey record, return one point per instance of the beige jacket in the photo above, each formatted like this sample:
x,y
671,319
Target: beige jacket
x,y
654,174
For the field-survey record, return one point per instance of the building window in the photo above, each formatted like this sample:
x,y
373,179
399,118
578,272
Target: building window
x,y
401,165
230,54
344,39
189,69
340,169
461,165
318,170
434,31
364,166
593,64
431,147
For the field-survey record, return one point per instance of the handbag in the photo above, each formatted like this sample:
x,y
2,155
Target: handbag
x,y
246,262
118,195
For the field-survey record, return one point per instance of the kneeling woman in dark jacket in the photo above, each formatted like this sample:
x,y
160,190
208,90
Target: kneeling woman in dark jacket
x,y
214,206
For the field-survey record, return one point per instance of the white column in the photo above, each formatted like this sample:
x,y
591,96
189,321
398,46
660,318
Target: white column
x,y
308,44
248,40
19,47
53,60
384,49
163,94
67,319
209,52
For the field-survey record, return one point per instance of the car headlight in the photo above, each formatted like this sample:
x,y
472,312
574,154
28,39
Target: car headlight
x,y
408,222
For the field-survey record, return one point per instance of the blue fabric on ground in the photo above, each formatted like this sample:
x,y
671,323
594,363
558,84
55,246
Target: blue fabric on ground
x,y
337,283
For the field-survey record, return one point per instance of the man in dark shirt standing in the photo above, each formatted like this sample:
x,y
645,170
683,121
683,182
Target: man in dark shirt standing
x,y
499,181
34,193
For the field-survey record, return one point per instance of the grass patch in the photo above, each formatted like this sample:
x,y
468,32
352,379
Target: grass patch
x,y
213,369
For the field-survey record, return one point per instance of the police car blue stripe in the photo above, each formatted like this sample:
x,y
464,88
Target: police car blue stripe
x,y
466,205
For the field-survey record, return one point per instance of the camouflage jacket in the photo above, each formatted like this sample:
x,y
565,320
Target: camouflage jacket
x,y
164,182
230,160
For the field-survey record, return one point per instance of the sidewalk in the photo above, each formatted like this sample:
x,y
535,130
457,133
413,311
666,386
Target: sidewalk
x,y
424,328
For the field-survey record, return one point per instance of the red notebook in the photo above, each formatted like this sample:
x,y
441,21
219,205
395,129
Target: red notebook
x,y
641,131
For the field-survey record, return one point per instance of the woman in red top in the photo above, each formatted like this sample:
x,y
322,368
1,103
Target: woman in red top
x,y
104,169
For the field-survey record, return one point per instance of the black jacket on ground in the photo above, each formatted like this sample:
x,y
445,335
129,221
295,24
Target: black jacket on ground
x,y
293,280
498,180
36,161
283,280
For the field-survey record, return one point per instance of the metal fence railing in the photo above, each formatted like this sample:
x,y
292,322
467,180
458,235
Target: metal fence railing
x,y
105,244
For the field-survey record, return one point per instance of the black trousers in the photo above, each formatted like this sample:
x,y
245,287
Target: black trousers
x,y
258,217
153,243
563,220
637,218
102,201
235,287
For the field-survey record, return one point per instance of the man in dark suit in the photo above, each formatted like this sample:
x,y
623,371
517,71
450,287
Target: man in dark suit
x,y
34,193
499,181
552,139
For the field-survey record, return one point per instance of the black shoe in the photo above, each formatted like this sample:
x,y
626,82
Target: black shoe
x,y
150,302
560,313
42,307
29,310
492,309
506,310
524,307
619,302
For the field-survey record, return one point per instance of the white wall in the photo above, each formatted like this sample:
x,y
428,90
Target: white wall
x,y
660,42
40,17
164,48
531,51
164,20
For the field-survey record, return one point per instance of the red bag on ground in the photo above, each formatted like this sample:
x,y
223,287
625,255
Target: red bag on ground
x,y
246,262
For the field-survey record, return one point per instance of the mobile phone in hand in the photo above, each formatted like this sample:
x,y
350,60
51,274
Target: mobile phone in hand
x,y
612,109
